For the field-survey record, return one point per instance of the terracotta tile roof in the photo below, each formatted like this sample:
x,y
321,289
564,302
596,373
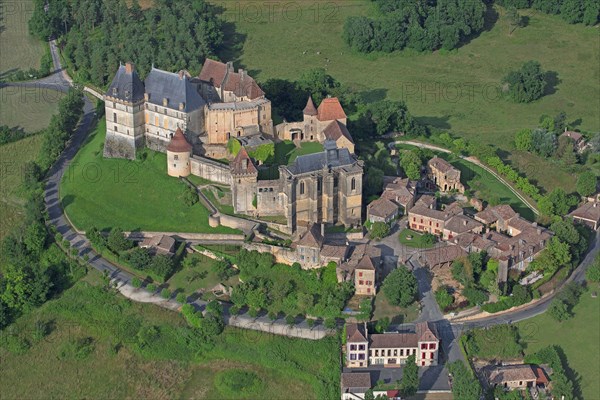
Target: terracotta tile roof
x,y
540,374
589,211
461,224
242,164
576,136
441,255
334,251
382,207
330,109
354,333
179,143
426,200
492,214
240,83
366,262
511,373
393,340
163,244
312,238
336,130
426,332
356,380
310,108
421,210
443,166
213,71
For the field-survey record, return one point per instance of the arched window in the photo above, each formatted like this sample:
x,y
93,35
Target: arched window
x,y
301,187
353,184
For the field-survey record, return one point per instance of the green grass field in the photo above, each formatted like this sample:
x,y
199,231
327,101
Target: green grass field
x,y
416,241
454,90
578,337
18,48
13,157
201,276
134,195
396,314
28,108
169,368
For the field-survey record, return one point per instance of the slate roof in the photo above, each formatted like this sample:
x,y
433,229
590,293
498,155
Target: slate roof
x,y
356,380
237,165
336,130
179,143
126,85
175,87
317,161
330,109
310,108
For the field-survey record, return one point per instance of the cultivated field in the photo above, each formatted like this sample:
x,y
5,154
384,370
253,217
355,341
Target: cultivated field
x,y
134,195
13,157
578,337
28,108
454,90
18,48
165,367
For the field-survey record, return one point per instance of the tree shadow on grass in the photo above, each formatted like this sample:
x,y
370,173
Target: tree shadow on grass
x,y
570,373
552,81
437,122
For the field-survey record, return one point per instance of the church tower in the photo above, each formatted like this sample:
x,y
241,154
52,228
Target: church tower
x,y
244,183
310,120
124,110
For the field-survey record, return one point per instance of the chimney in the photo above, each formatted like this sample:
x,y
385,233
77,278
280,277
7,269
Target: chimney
x,y
539,231
129,67
165,101
181,106
595,205
534,224
146,96
229,66
242,73
323,230
465,222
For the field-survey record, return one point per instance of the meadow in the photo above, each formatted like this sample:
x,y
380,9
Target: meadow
x,y
28,108
166,366
578,337
13,157
19,49
456,90
133,195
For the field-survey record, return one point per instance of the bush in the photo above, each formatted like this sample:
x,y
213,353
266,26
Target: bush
x,y
181,298
290,320
272,315
310,322
15,343
379,230
234,310
136,282
253,312
151,287
237,383
443,297
78,349
165,293
475,296
330,323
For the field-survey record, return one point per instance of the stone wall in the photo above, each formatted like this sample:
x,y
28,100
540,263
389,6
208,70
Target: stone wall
x,y
282,254
121,146
210,170
242,224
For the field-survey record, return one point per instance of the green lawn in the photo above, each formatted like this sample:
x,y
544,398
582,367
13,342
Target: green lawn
x,y
396,314
416,241
189,280
223,208
28,108
13,157
454,90
578,337
285,154
19,49
134,195
168,367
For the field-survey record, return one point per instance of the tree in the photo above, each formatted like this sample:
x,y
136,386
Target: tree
x,y
411,164
373,181
382,325
559,310
524,140
410,377
526,84
233,146
443,298
189,196
379,230
464,385
587,183
514,19
543,142
117,241
400,287
593,272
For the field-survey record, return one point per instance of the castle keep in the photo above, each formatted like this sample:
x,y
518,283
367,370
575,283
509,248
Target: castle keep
x,y
193,118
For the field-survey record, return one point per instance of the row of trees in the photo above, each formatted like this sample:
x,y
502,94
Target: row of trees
x,y
36,269
96,35
418,25
572,11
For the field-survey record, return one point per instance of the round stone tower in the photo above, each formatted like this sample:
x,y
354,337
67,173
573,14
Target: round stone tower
x,y
178,155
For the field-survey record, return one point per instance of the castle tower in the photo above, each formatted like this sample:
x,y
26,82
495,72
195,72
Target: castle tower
x,y
243,185
178,155
310,120
124,110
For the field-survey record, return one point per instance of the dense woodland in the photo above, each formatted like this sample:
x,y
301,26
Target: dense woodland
x,y
97,34
572,11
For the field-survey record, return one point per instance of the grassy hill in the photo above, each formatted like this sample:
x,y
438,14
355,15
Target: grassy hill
x,y
455,90
578,337
19,49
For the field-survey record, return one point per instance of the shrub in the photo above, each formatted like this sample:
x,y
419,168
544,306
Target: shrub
x,y
330,323
165,293
78,349
237,383
41,329
253,312
290,320
181,297
475,296
310,322
272,315
151,287
15,343
136,282
234,310
443,297
379,230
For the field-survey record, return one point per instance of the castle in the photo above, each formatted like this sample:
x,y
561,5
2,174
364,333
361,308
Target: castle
x,y
192,119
